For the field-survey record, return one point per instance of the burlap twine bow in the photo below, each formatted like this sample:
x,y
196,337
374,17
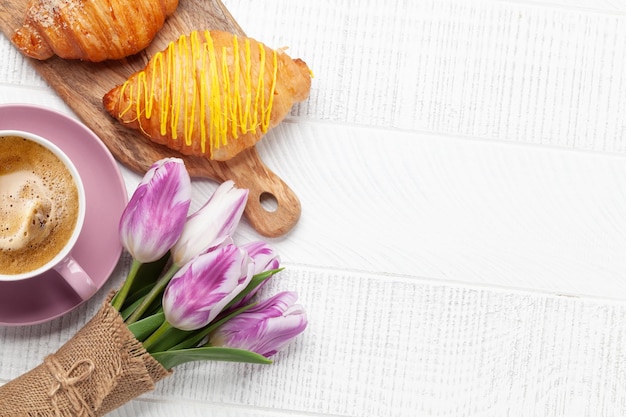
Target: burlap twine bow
x,y
102,367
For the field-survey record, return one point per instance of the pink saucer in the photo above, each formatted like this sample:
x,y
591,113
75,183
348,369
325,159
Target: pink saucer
x,y
98,249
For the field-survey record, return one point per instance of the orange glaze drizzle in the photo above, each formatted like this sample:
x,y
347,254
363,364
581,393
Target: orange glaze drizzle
x,y
196,80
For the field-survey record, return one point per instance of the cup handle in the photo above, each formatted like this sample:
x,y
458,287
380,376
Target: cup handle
x,y
76,277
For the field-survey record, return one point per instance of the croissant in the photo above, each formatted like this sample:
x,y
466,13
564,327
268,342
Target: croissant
x,y
210,94
90,30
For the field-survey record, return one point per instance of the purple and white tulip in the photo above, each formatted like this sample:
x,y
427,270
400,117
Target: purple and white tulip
x,y
201,289
264,256
212,223
154,218
265,259
266,328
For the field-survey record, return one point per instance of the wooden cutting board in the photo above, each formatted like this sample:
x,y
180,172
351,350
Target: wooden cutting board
x,y
81,85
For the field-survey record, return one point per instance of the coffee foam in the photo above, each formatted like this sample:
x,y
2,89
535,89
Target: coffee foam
x,y
26,204
38,205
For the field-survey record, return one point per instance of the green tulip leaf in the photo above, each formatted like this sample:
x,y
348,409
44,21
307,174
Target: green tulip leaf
x,y
172,358
166,337
138,277
131,304
144,328
256,280
193,338
149,272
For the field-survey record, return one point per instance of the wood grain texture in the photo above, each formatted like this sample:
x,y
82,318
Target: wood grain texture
x,y
476,194
82,85
541,72
394,346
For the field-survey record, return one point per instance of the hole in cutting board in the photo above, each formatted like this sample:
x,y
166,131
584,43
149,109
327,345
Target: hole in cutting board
x,y
268,202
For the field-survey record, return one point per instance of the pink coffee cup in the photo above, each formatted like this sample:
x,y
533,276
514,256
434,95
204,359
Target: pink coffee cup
x,y
62,260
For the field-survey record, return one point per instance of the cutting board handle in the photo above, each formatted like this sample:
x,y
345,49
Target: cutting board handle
x,y
273,209
83,92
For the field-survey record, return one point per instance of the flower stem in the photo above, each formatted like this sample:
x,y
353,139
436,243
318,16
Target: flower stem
x,y
152,295
195,337
154,338
120,297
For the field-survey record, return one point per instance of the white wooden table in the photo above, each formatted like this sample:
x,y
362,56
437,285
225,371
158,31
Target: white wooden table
x,y
462,247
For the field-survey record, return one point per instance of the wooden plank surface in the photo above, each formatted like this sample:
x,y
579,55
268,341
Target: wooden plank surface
x,y
82,85
411,279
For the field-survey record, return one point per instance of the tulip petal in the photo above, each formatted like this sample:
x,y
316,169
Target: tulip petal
x,y
266,328
155,215
218,218
204,286
265,259
264,256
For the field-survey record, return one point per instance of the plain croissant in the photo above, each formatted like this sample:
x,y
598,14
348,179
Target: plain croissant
x,y
90,30
210,94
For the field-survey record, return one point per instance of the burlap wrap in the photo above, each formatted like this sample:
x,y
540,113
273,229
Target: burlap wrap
x,y
102,367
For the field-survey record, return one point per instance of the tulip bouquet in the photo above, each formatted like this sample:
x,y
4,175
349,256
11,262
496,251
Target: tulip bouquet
x,y
190,295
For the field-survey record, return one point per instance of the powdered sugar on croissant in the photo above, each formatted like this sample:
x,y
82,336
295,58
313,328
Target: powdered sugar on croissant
x,y
210,94
90,30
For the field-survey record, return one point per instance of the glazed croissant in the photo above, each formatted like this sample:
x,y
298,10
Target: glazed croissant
x,y
210,94
90,30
